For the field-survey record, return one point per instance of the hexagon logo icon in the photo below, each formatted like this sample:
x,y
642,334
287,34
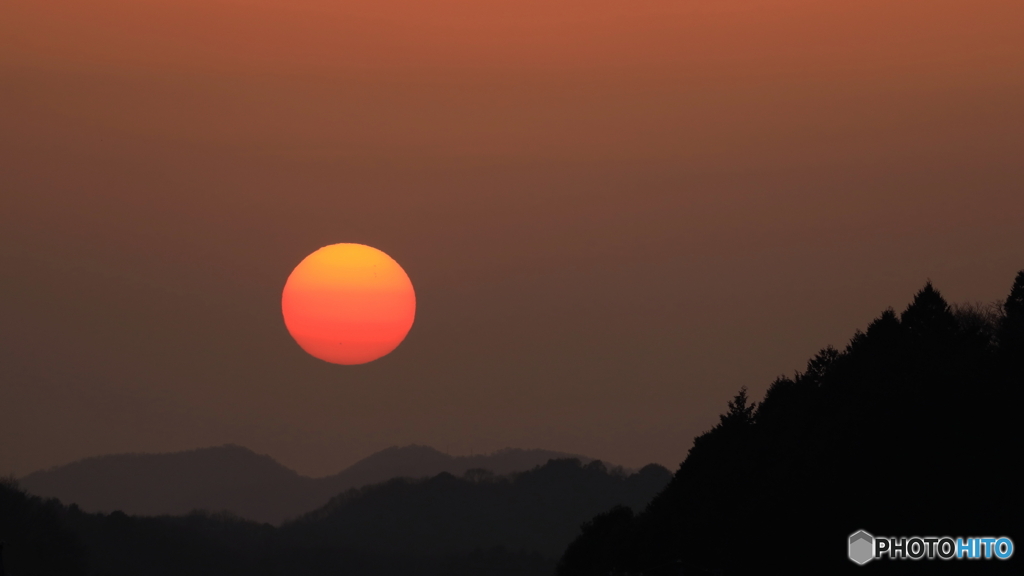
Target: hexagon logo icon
x,y
861,544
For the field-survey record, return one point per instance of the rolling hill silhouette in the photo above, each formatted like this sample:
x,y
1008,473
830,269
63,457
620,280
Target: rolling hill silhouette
x,y
538,510
252,486
478,523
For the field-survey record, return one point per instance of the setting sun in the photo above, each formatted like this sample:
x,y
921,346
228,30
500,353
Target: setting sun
x,y
348,304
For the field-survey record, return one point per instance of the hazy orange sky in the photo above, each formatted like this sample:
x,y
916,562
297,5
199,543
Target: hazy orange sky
x,y
614,213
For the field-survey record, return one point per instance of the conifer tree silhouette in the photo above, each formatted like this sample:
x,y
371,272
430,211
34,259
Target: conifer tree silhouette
x,y
1011,329
929,320
741,410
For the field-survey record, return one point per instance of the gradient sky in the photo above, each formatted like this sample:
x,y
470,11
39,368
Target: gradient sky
x,y
614,213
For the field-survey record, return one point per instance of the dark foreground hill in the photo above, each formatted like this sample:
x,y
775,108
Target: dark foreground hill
x,y
537,511
253,486
914,429
476,524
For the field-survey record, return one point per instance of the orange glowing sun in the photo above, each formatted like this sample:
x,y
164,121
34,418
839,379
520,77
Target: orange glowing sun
x,y
348,304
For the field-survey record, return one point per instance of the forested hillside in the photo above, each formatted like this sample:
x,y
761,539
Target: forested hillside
x,y
914,428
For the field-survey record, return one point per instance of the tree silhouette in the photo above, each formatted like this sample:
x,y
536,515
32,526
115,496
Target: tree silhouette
x,y
37,540
741,411
1011,329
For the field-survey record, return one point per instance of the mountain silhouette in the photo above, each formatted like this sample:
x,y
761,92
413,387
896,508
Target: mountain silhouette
x,y
416,461
538,510
252,486
476,524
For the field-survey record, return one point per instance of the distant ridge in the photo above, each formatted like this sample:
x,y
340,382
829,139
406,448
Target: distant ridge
x,y
250,485
415,461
